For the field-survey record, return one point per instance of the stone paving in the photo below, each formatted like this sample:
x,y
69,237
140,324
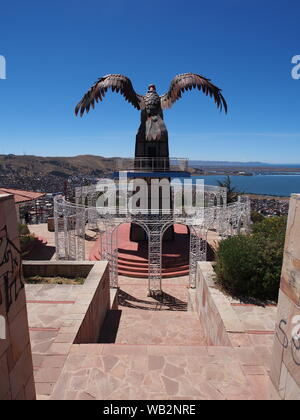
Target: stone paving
x,y
256,318
150,349
48,313
146,320
57,315
135,372
159,352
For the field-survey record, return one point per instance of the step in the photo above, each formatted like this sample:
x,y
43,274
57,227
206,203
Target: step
x,y
167,327
145,276
145,265
139,269
159,372
133,257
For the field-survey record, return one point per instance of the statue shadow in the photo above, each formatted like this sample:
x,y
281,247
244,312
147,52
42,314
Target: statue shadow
x,y
161,302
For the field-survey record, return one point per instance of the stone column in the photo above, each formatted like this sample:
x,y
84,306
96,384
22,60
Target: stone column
x,y
16,371
285,369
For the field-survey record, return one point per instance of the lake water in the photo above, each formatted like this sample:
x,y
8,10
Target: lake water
x,y
280,185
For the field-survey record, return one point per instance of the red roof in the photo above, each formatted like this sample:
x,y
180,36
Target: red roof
x,y
21,196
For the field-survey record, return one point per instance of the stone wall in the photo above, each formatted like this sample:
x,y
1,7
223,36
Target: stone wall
x,y
16,372
55,268
89,331
220,323
285,371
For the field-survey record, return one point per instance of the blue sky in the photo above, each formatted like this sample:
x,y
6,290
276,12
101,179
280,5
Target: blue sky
x,y
55,50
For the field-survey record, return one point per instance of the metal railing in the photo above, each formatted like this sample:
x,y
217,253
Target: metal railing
x,y
154,164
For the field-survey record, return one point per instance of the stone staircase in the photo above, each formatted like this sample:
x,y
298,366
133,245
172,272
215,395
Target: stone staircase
x,y
133,256
155,350
138,266
152,327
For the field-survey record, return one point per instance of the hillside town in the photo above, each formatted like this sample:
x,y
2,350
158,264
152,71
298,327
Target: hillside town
x,y
270,206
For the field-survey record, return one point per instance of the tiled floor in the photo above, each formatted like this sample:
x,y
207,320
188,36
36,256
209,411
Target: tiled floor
x,y
115,371
145,320
158,352
152,348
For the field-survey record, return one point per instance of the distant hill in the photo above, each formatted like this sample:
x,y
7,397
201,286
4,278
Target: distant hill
x,y
27,165
205,163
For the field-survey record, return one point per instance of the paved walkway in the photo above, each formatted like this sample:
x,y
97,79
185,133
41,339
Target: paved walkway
x,y
145,320
135,372
156,350
48,252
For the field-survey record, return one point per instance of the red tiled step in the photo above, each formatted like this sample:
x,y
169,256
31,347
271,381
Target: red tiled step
x,y
165,265
145,269
133,256
145,275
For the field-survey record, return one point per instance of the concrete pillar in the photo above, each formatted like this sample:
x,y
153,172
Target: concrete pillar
x,y
285,369
16,371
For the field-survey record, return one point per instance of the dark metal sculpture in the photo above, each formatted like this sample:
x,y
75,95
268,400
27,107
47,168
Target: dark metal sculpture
x,y
152,136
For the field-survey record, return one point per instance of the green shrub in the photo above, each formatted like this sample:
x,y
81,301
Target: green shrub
x,y
250,266
25,243
23,229
271,226
257,217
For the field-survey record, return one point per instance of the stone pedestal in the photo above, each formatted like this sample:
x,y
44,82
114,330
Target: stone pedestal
x,y
16,371
285,370
154,198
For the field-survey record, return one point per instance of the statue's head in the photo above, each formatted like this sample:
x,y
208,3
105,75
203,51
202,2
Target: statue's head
x,y
151,88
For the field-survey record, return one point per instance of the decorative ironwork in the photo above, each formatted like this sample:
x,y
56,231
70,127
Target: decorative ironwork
x,y
71,220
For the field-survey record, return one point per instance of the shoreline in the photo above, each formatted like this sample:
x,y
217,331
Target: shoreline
x,y
256,196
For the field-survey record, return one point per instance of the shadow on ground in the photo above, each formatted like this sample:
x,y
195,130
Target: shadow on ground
x,y
160,302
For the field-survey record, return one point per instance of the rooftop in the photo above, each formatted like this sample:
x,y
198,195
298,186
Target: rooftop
x,y
21,196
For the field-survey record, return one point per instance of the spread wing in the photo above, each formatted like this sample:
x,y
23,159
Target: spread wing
x,y
116,82
188,81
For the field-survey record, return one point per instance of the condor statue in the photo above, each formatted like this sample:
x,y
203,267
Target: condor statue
x,y
151,146
152,136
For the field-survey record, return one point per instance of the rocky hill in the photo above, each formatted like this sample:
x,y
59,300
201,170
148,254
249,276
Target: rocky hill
x,y
47,174
59,166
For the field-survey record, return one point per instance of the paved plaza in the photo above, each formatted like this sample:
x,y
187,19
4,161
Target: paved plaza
x,y
149,348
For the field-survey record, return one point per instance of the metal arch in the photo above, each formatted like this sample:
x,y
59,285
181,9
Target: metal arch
x,y
70,223
110,247
198,251
198,247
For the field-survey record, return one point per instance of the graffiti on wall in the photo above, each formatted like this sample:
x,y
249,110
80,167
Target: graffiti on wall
x,y
294,342
10,271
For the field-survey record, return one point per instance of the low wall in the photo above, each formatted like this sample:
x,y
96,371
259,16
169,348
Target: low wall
x,y
54,268
220,322
92,302
61,315
90,328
